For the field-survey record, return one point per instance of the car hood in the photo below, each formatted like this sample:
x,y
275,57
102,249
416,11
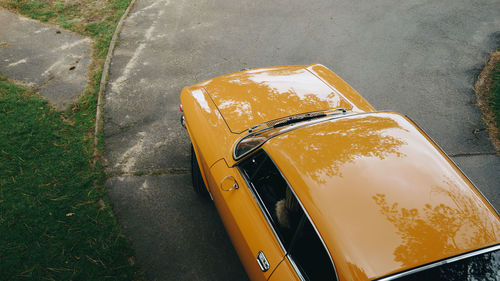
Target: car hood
x,y
252,97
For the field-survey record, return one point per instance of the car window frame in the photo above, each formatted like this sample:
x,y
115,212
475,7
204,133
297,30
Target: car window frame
x,y
268,217
439,263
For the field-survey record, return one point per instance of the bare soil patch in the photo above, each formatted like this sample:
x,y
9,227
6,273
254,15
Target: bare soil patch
x,y
483,89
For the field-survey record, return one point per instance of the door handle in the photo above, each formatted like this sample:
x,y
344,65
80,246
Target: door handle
x,y
233,185
262,261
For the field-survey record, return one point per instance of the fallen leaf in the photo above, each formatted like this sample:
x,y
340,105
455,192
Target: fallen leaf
x,y
101,204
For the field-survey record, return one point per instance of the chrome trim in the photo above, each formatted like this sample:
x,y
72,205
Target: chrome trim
x,y
266,215
285,129
235,185
264,212
311,114
308,217
263,262
438,263
241,158
296,268
183,121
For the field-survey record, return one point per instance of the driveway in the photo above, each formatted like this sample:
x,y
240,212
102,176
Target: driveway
x,y
419,58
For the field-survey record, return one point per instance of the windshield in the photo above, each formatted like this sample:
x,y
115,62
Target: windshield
x,y
482,266
255,139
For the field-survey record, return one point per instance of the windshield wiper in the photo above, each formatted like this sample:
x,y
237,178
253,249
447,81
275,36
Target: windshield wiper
x,y
255,139
295,119
305,117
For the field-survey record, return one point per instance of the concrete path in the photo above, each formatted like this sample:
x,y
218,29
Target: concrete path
x,y
415,57
51,60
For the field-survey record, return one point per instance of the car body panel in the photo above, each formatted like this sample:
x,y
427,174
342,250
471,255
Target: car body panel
x,y
246,225
382,195
251,97
206,127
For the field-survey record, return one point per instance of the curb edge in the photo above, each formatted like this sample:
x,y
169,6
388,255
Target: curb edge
x,y
104,79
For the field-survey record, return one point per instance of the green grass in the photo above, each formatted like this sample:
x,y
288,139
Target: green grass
x,y
495,93
54,223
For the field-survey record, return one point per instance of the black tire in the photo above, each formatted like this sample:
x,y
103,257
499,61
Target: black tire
x,y
198,183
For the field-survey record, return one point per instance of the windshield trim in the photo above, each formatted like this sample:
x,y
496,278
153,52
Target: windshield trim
x,y
270,132
305,116
441,262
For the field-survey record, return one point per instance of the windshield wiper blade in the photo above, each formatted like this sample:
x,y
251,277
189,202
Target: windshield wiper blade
x,y
255,139
297,119
294,119
306,117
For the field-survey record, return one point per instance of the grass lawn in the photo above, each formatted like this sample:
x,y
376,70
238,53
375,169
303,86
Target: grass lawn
x,y
495,93
55,222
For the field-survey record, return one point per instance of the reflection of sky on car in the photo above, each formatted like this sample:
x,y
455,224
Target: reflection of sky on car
x,y
199,96
250,98
240,108
457,223
381,193
302,85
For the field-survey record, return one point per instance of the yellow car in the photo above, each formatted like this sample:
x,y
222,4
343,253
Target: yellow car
x,y
312,183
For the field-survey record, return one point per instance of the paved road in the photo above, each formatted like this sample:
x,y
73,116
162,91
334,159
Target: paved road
x,y
51,60
416,57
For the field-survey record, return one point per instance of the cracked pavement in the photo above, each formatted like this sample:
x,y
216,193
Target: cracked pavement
x,y
419,58
51,60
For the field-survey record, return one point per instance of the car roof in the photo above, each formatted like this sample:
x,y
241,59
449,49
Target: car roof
x,y
251,97
382,195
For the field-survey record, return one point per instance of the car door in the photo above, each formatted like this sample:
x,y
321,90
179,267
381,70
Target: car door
x,y
306,254
253,238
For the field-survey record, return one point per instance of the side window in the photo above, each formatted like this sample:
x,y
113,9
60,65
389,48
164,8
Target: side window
x,y
270,189
309,254
286,216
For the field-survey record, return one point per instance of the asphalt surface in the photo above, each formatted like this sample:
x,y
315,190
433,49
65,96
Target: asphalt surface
x,y
419,58
51,60
182,239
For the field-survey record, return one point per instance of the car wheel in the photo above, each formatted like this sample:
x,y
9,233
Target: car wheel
x,y
198,183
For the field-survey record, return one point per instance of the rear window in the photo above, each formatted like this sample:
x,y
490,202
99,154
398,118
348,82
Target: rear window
x,y
482,267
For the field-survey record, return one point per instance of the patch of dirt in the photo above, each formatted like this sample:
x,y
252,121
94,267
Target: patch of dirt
x,y
482,88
